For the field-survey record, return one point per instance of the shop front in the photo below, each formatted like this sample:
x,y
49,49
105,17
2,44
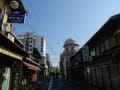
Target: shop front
x,y
30,74
8,67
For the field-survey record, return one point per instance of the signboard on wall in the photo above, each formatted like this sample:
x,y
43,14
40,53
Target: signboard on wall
x,y
16,17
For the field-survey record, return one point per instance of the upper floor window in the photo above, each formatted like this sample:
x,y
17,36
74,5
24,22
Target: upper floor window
x,y
102,48
66,49
107,45
72,49
41,50
118,38
34,41
97,51
112,41
26,48
30,49
30,40
93,52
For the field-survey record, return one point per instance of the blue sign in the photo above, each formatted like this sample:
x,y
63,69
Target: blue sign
x,y
16,17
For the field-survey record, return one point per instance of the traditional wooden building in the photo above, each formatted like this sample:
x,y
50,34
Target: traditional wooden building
x,y
17,69
11,55
103,69
16,66
101,56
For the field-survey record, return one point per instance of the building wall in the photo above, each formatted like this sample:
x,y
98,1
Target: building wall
x,y
30,40
70,49
40,43
101,65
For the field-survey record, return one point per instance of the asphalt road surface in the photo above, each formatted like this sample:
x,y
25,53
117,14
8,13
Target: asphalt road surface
x,y
57,84
64,85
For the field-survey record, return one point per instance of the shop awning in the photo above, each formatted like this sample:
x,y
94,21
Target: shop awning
x,y
32,67
32,61
29,59
11,54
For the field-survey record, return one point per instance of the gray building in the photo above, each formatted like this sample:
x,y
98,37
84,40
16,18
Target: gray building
x,y
70,48
30,40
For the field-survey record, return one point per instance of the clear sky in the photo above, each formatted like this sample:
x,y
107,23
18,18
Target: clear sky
x,y
58,20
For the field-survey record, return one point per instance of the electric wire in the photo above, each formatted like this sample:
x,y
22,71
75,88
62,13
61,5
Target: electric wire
x,y
34,30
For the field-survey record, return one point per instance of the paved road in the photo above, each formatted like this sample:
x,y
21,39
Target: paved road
x,y
62,85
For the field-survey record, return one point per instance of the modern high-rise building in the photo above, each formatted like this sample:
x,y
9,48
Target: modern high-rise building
x,y
30,40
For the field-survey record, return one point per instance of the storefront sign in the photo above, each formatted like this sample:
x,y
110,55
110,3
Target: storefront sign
x,y
16,17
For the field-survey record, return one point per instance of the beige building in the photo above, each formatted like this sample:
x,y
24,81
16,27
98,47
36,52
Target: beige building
x,y
70,48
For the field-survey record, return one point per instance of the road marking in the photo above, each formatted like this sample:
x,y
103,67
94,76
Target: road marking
x,y
50,84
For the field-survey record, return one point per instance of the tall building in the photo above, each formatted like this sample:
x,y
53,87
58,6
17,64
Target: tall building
x,y
48,66
30,40
70,48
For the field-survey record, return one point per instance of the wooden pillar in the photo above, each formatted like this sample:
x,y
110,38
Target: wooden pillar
x,y
102,76
86,74
91,77
21,75
96,75
110,77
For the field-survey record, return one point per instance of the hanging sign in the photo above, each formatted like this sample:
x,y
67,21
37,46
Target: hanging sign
x,y
16,17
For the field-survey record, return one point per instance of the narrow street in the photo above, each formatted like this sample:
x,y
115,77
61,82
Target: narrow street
x,y
59,45
64,85
57,84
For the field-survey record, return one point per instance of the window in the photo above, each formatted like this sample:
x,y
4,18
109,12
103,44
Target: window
x,y
72,49
30,40
118,38
93,52
26,48
27,42
106,43
34,41
97,51
112,41
102,47
42,42
66,49
41,49
30,49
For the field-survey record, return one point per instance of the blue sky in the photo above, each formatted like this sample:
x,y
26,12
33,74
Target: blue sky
x,y
58,20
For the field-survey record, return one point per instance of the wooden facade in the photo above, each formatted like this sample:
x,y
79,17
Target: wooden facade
x,y
16,68
102,67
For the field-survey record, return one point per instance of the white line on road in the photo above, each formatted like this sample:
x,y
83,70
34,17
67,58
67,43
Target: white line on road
x,y
50,84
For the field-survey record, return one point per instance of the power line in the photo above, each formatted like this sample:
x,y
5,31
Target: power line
x,y
34,30
31,27
37,18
